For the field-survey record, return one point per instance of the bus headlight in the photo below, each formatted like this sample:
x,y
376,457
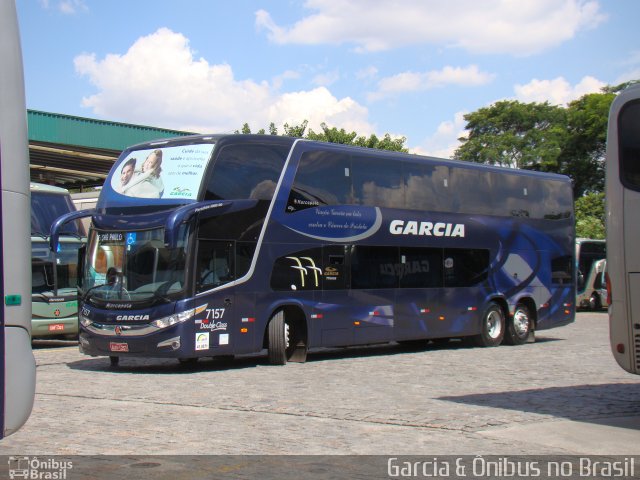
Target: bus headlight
x,y
84,321
174,319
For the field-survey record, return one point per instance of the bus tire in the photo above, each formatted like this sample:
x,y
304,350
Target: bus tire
x,y
493,327
519,326
594,302
278,339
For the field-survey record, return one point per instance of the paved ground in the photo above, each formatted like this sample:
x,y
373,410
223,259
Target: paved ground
x,y
562,395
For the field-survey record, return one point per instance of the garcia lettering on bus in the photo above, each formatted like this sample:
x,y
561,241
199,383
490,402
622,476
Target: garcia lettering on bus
x,y
440,229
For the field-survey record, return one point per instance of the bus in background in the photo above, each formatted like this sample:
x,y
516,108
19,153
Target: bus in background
x,y
17,364
226,245
54,294
85,201
622,193
588,252
594,294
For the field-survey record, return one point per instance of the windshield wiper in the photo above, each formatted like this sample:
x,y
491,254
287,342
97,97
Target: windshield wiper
x,y
161,292
87,297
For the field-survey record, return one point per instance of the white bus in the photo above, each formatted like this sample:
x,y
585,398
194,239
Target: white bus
x,y
623,227
54,293
17,365
588,252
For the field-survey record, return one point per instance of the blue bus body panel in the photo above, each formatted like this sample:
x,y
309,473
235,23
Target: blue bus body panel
x,y
233,318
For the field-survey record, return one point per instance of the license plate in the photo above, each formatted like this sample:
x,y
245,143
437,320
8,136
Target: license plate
x,y
118,347
56,327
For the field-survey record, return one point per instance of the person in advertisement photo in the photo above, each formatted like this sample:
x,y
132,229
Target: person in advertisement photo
x,y
146,182
126,174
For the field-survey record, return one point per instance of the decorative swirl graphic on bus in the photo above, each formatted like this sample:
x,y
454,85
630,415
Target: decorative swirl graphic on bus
x,y
344,223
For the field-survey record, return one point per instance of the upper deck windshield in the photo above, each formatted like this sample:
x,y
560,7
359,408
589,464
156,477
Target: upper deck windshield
x,y
133,266
194,169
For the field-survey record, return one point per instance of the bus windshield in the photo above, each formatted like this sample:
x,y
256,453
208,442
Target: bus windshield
x,y
46,208
42,266
133,266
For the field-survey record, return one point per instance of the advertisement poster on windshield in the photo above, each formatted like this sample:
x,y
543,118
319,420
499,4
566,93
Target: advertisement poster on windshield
x,y
165,173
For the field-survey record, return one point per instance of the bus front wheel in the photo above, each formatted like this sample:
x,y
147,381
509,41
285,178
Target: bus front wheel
x,y
279,339
493,326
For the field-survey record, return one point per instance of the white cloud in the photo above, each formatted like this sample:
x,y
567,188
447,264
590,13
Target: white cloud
x,y
68,7
628,76
326,79
367,73
159,82
632,64
414,82
557,91
520,27
444,142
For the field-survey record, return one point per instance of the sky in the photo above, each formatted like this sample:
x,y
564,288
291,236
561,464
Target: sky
x,y
410,68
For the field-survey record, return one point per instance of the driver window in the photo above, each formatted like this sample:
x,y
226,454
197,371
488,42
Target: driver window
x,y
215,264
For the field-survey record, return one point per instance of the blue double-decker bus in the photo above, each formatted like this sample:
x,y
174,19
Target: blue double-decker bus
x,y
231,244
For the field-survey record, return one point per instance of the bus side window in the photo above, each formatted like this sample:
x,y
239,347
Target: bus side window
x,y
377,182
335,273
215,264
374,267
561,270
629,139
322,178
465,267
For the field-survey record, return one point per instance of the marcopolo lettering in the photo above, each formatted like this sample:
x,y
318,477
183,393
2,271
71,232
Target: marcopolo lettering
x,y
439,229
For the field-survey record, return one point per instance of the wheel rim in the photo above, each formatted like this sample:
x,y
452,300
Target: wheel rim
x,y
521,323
286,334
494,324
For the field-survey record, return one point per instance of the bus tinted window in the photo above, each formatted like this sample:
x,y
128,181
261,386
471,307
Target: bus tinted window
x,y
323,178
46,208
562,270
335,273
513,196
471,192
557,200
426,186
374,267
246,171
465,267
377,182
215,264
629,145
420,267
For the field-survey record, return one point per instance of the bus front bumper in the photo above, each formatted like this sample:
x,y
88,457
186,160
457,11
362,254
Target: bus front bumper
x,y
178,341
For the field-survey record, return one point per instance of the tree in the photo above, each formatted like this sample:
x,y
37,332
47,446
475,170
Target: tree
x,y
590,216
514,134
335,135
583,152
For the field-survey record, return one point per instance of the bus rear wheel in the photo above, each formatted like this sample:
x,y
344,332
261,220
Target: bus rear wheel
x,y
519,327
594,302
493,327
